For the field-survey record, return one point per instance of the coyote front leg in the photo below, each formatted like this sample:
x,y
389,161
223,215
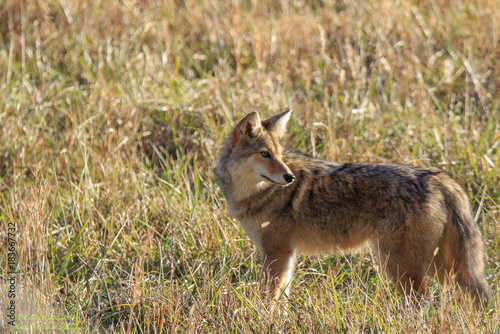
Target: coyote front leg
x,y
277,270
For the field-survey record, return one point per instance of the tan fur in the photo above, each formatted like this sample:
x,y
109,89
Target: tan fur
x,y
418,220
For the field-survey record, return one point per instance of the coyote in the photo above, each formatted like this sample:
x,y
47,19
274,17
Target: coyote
x,y
417,220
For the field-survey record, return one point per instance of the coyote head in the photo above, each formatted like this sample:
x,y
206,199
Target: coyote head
x,y
254,152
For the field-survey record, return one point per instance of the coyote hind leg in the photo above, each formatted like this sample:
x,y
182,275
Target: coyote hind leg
x,y
405,270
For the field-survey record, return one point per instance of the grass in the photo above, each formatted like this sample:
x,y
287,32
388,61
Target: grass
x,y
112,116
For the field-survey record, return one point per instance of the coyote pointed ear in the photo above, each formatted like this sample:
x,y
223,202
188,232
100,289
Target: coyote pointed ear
x,y
248,127
277,123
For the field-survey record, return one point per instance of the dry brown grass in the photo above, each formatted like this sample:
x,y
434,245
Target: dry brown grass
x,y
124,104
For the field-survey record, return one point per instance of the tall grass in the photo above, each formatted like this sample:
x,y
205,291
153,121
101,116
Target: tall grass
x,y
124,106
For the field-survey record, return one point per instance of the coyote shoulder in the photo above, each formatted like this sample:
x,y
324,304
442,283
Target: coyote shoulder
x,y
417,220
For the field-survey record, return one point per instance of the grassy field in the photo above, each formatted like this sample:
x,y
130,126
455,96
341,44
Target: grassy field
x,y
112,115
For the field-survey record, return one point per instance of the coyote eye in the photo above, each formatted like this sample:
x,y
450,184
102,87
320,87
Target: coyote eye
x,y
265,154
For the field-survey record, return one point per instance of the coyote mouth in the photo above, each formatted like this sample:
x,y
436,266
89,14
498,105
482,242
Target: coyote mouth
x,y
269,179
280,184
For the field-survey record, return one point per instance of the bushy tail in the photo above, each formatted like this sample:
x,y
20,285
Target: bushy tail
x,y
468,249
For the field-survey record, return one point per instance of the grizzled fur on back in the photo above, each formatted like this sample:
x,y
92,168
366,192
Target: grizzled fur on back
x,y
417,220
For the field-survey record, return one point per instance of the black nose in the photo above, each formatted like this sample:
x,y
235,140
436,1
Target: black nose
x,y
289,177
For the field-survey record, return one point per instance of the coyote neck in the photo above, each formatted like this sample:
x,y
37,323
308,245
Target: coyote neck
x,y
246,197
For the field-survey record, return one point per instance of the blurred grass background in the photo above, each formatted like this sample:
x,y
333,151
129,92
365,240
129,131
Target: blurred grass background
x,y
112,114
